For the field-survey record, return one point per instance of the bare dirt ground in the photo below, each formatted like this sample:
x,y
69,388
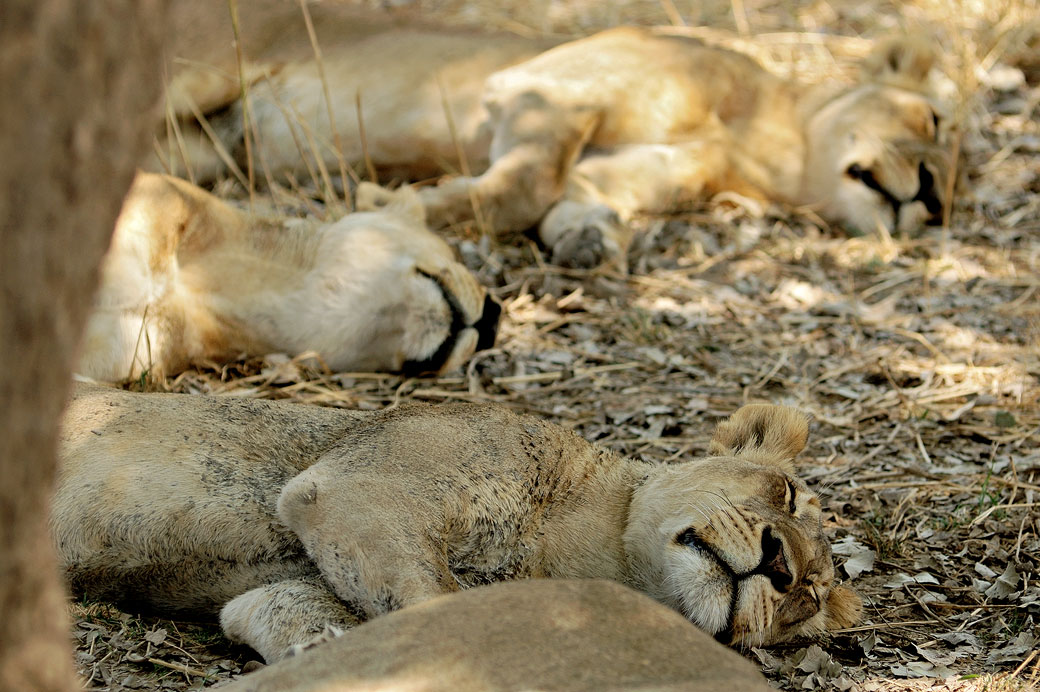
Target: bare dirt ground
x,y
917,357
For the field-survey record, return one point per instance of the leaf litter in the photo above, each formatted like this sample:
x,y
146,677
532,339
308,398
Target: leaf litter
x,y
918,359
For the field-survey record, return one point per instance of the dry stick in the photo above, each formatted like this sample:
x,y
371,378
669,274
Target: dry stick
x,y
289,119
740,17
163,159
294,185
883,626
369,166
1024,663
143,332
337,142
673,14
264,167
262,157
1018,541
1009,505
312,142
244,91
218,146
955,152
172,125
179,667
478,212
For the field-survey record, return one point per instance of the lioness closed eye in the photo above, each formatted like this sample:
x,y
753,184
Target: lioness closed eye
x,y
190,279
291,518
580,137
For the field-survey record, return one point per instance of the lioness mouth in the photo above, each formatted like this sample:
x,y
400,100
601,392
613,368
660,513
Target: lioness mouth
x,y
486,325
925,191
773,565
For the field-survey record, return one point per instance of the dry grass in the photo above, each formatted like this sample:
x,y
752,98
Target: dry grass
x,y
919,359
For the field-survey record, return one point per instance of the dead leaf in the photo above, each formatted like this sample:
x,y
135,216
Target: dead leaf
x,y
816,660
860,560
1004,585
921,669
1015,651
156,637
900,579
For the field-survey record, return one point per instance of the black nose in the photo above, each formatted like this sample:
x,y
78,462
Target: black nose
x,y
774,562
928,195
487,325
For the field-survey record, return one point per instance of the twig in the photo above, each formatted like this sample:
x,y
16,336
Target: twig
x,y
179,667
244,96
474,200
369,166
218,146
337,142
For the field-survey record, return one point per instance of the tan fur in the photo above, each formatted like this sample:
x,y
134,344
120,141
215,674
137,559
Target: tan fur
x,y
560,635
191,279
191,504
583,136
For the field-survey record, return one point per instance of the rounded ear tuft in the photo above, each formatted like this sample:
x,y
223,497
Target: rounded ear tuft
x,y
843,608
903,61
762,433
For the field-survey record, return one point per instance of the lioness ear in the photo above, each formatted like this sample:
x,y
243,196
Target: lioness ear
x,y
843,608
404,201
903,61
762,433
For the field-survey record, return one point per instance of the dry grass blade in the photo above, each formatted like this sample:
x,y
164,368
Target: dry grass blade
x,y
336,141
218,146
363,138
244,96
474,200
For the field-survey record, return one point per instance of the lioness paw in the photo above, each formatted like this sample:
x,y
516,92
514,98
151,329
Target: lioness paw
x,y
326,635
584,236
404,201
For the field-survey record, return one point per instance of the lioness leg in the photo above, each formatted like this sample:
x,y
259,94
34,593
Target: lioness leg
x,y
535,143
377,560
589,225
278,619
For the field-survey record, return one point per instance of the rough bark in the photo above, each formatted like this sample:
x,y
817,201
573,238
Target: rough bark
x,y
81,85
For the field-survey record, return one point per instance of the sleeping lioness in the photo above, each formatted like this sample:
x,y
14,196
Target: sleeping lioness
x,y
563,635
190,279
290,519
576,139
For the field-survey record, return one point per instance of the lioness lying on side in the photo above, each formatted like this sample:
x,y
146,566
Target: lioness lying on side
x,y
288,519
564,635
191,279
576,139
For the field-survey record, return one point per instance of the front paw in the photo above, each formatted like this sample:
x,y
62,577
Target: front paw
x,y
584,236
326,635
449,203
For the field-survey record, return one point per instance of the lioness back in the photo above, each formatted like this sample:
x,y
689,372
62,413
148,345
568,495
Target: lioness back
x,y
142,478
561,635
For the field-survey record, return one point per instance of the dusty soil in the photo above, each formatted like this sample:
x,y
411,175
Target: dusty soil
x,y
917,357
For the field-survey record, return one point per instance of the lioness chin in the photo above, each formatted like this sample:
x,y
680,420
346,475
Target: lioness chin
x,y
288,519
577,138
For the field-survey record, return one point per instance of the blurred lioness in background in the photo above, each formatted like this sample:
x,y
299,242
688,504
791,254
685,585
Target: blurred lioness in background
x,y
575,138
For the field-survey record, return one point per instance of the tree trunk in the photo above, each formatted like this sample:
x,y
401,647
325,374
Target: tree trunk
x,y
81,82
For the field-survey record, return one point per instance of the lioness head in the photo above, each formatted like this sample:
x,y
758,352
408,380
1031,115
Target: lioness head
x,y
874,156
734,541
447,315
